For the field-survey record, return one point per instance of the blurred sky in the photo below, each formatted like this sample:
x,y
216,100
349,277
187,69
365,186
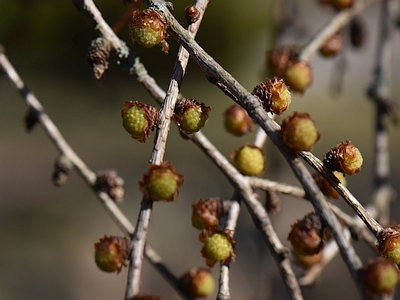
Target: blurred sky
x,y
48,233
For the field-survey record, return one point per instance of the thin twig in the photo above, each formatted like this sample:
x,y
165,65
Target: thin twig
x,y
222,79
163,125
335,24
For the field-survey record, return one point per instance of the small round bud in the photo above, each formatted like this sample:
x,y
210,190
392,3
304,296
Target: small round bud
x,y
388,243
249,160
148,29
333,45
274,94
342,4
380,276
111,253
161,182
218,246
325,187
345,158
198,282
305,235
237,121
298,132
192,14
298,76
109,182
278,58
138,119
206,213
190,115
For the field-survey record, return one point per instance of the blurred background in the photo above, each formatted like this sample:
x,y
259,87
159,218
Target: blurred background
x,y
47,233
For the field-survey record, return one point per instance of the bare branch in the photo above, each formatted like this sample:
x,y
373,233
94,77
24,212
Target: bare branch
x,y
338,22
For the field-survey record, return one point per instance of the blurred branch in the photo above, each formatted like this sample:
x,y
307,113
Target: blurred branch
x,y
379,92
341,19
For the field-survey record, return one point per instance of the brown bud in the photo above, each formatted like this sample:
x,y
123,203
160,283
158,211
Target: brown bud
x,y
345,158
108,181
298,132
305,235
148,29
206,213
111,253
388,243
380,276
237,120
198,282
333,45
278,58
272,203
97,57
325,187
192,14
190,115
274,94
161,182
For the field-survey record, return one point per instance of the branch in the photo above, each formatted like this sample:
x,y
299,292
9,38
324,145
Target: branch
x,y
341,19
379,93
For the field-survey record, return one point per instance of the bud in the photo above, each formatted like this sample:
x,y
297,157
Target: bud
x,y
325,187
278,58
298,132
190,115
298,76
306,234
380,276
138,119
333,45
345,158
161,182
249,160
192,14
148,29
97,57
274,94
218,245
237,121
198,282
109,182
206,213
388,243
111,253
